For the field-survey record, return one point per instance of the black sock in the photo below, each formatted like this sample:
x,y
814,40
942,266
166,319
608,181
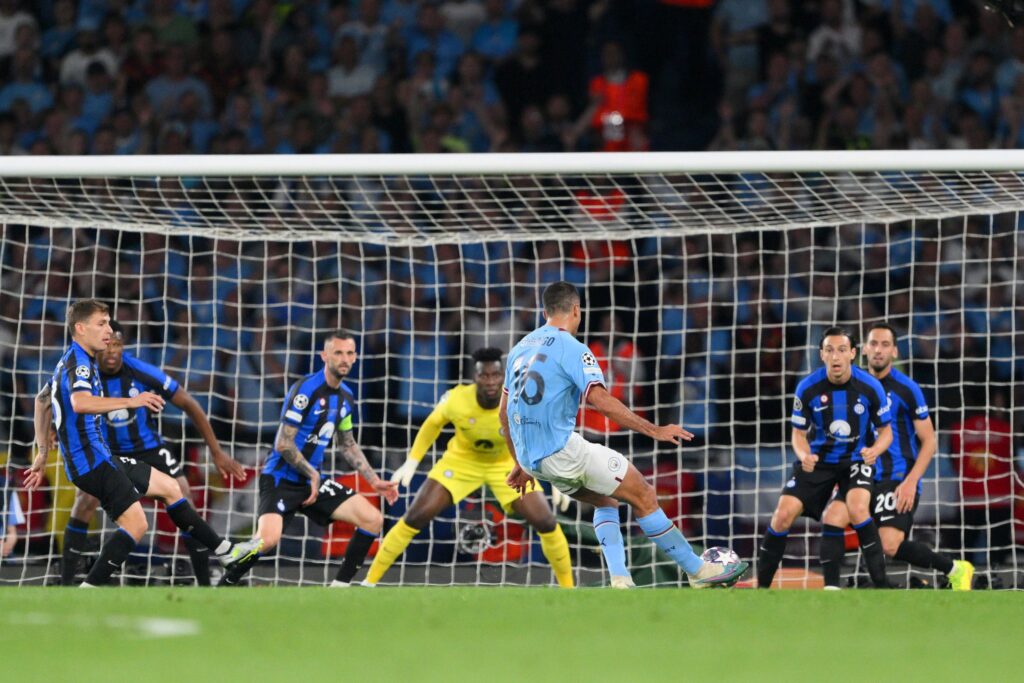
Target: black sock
x,y
76,537
871,546
200,558
355,554
833,547
772,547
920,555
113,554
188,520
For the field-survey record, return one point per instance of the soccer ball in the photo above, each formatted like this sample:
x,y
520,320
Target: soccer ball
x,y
720,555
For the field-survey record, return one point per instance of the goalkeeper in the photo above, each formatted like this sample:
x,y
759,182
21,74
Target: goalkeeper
x,y
475,456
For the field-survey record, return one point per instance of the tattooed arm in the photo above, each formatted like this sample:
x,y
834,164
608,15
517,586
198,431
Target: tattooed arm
x,y
353,454
285,445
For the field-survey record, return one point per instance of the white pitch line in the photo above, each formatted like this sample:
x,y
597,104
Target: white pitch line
x,y
142,627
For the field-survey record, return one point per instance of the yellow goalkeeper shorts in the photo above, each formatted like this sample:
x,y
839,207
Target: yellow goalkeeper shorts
x,y
461,477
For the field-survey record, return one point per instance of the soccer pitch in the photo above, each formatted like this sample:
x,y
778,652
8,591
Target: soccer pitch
x,y
499,634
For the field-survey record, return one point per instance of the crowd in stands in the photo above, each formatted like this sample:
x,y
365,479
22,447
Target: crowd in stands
x,y
318,76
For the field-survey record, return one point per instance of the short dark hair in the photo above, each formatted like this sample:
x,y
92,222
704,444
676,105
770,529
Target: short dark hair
x,y
488,354
339,334
80,311
884,326
559,297
837,331
117,328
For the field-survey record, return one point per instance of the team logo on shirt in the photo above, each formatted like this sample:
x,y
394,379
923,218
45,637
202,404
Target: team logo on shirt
x,y
824,398
588,360
859,408
301,401
133,392
83,371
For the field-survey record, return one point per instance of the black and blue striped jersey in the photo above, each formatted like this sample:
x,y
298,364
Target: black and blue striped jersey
x,y
80,436
129,431
318,411
907,404
844,416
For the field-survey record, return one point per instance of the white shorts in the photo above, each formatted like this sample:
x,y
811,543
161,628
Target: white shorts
x,y
581,464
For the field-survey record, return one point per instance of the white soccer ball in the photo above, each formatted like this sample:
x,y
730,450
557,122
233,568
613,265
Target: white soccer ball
x,y
720,555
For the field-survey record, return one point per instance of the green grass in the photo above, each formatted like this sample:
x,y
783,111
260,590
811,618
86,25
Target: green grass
x,y
490,634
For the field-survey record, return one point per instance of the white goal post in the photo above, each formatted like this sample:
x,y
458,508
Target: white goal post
x,y
707,278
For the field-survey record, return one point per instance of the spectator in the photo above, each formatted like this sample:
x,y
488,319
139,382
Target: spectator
x,y
838,34
24,85
429,35
348,77
982,447
370,35
164,92
57,39
618,103
495,39
171,26
11,19
75,65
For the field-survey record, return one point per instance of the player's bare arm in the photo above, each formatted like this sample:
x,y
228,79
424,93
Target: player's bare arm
x,y
907,490
802,449
355,457
41,419
285,445
225,464
518,479
85,403
615,410
881,445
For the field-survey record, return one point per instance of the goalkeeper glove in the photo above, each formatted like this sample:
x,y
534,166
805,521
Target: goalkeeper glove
x,y
559,500
403,475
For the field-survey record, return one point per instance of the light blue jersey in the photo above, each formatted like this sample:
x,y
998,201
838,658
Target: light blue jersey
x,y
546,374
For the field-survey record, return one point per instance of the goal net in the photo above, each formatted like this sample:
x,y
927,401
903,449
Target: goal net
x,y
707,281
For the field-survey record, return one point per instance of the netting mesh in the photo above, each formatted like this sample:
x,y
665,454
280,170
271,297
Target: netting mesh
x,y
402,209
704,295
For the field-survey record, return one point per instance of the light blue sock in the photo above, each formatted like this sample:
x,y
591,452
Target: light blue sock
x,y
670,539
606,525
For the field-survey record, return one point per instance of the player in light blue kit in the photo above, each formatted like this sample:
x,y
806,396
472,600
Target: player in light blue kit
x,y
547,373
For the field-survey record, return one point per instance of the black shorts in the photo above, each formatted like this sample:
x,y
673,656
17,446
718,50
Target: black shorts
x,y
883,507
814,489
164,459
138,472
111,486
286,498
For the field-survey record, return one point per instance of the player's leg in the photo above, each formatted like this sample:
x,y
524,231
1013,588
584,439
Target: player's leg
x,y
833,541
534,508
896,545
430,500
368,520
120,500
856,486
269,528
180,510
76,535
773,545
198,553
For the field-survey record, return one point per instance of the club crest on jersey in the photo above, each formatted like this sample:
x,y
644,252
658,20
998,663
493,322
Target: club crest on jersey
x,y
133,392
791,484
824,398
859,408
83,371
614,464
323,402
301,401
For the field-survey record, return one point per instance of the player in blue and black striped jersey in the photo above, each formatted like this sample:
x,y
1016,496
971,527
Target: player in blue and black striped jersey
x,y
133,437
316,407
74,398
849,414
898,474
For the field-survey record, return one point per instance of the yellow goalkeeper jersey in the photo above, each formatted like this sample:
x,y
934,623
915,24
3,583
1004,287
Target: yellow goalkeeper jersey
x,y
477,430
